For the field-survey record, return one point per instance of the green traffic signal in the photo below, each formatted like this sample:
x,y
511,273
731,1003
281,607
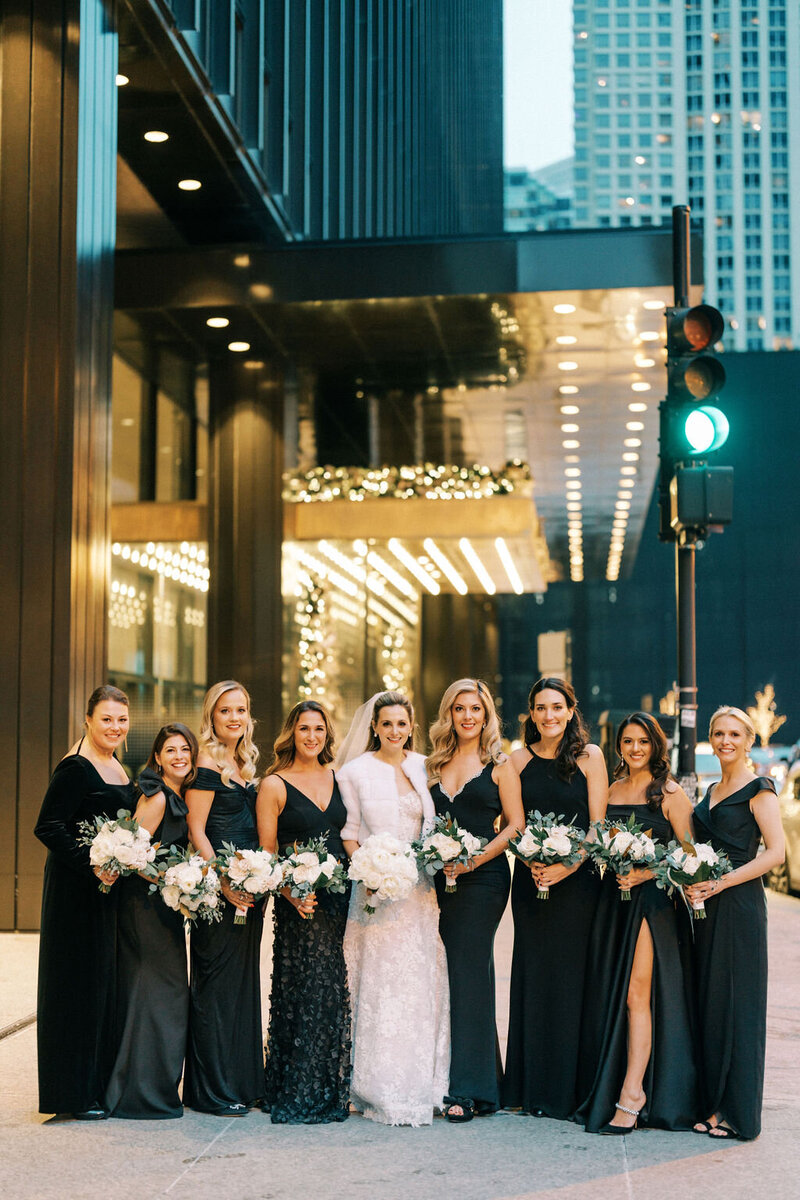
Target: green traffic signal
x,y
706,429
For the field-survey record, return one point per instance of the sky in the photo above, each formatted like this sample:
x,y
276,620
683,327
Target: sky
x,y
537,81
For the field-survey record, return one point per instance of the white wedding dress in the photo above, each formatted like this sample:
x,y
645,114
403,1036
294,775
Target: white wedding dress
x,y
397,972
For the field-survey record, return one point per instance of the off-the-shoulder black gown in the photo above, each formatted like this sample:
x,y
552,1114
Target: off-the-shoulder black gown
x,y
224,1059
730,954
152,985
77,948
307,1076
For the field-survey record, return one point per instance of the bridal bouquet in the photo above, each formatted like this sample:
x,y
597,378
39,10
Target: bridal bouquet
x,y
190,885
309,868
121,845
547,840
446,843
622,848
386,867
253,871
688,862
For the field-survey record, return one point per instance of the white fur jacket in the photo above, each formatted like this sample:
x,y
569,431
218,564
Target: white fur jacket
x,y
369,791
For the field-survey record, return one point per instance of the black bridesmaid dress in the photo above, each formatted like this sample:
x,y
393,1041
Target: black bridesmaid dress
x,y
670,1081
468,921
307,1075
152,985
730,955
224,1059
75,1027
551,941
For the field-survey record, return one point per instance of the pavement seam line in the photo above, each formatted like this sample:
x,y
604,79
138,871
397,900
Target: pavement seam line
x,y
628,1180
16,1026
195,1160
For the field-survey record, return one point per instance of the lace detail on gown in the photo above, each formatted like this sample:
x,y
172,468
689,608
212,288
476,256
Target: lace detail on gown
x,y
401,1014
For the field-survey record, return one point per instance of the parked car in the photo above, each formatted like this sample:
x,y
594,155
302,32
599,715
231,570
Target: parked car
x,y
786,877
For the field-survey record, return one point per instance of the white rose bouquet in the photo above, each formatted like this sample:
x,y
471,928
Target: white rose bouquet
x,y
386,867
309,868
548,840
447,842
121,845
190,885
622,848
255,871
687,862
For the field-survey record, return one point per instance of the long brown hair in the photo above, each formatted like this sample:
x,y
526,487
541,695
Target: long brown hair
x,y
576,735
389,700
284,749
175,729
658,766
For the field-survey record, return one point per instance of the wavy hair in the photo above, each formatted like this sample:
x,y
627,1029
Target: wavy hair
x,y
576,735
106,691
658,764
444,741
390,700
246,753
175,729
727,710
284,750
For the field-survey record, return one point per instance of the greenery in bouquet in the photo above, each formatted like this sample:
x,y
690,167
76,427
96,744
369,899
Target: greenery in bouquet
x,y
386,867
548,839
446,843
309,868
189,885
622,847
687,862
121,845
256,872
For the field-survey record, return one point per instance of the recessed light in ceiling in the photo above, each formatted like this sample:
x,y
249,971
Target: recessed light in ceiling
x,y
156,135
189,185
121,80
218,322
238,347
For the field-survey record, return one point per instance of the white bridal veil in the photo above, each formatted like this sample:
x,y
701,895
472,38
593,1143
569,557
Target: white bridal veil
x,y
358,735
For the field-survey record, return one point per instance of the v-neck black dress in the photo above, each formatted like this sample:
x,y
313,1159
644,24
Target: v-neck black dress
x,y
307,1076
77,947
730,953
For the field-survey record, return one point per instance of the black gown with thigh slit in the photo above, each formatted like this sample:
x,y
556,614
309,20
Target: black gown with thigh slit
x,y
224,1059
307,1074
468,921
77,947
670,1081
731,968
551,940
152,985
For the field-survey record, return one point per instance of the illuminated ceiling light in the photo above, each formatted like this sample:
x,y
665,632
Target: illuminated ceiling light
x,y
566,339
632,442
571,444
241,260
572,472
253,364
570,428
640,387
239,347
564,308
568,389
121,80
653,305
573,485
508,566
445,566
413,567
574,504
567,366
389,573
630,456
643,362
482,574
637,406
650,335
189,185
618,546
624,494
622,505
218,322
572,458
634,426
156,135
569,410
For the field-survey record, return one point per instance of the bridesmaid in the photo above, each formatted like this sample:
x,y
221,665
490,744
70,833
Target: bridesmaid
x,y
152,983
472,779
637,1051
77,944
731,944
224,1073
307,1078
560,772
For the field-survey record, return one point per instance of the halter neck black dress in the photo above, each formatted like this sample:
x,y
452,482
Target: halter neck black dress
x,y
670,1081
77,947
551,939
468,921
307,1075
730,954
152,985
224,1060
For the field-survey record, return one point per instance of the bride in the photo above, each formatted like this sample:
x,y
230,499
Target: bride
x,y
395,959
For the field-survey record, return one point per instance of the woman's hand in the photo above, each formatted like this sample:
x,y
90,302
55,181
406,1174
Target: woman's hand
x,y
237,899
305,906
106,877
453,870
546,876
704,891
634,878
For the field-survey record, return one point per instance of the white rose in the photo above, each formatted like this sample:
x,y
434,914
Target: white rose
x,y
622,841
307,859
142,834
706,853
186,875
559,843
211,899
690,864
192,902
305,873
565,829
328,867
527,844
446,847
124,837
472,845
103,848
171,896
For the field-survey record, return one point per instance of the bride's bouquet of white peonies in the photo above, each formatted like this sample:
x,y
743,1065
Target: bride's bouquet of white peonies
x,y
687,862
446,843
255,871
121,845
386,867
190,885
548,840
624,847
310,868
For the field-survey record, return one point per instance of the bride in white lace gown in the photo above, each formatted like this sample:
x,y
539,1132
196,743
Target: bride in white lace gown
x,y
396,962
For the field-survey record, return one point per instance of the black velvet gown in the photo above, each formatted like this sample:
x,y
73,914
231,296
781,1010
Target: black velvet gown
x,y
77,948
468,921
152,985
670,1081
224,1058
551,940
731,968
307,1075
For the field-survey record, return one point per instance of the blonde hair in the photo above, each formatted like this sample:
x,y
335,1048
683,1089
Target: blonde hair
x,y
726,710
284,749
246,753
443,737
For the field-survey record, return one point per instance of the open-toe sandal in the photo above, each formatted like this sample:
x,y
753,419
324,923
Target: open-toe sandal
x,y
466,1114
724,1133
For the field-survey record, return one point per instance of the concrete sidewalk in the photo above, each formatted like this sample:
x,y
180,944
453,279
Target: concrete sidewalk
x,y
505,1157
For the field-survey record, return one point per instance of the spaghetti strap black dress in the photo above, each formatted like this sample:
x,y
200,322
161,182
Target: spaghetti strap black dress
x,y
670,1082
77,947
730,955
468,921
307,1075
152,985
224,1060
551,940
